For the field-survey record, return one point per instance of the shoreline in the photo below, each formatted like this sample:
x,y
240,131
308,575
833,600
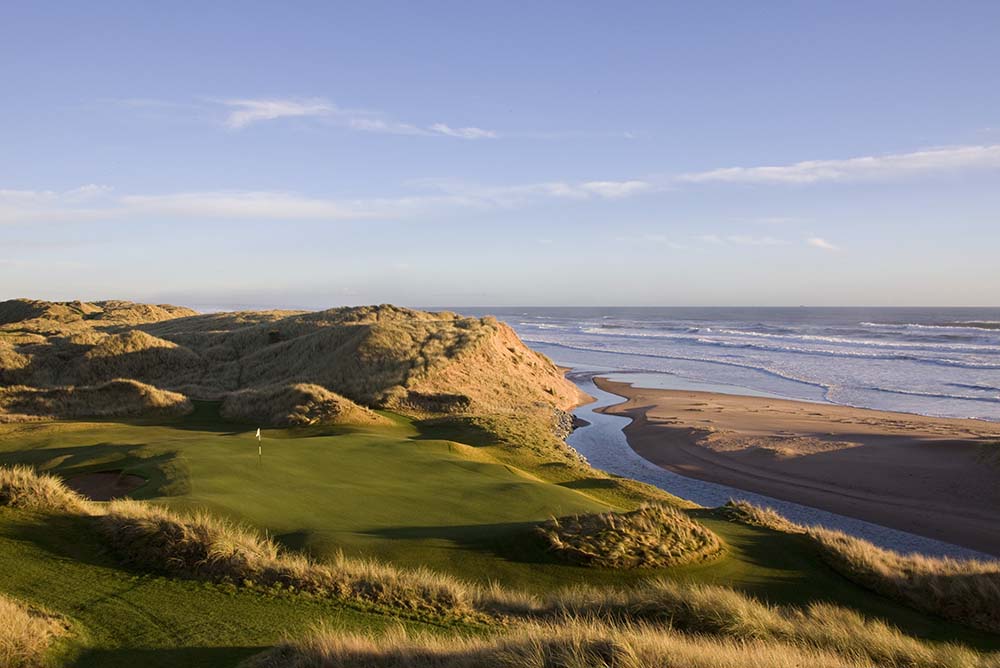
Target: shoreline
x,y
933,477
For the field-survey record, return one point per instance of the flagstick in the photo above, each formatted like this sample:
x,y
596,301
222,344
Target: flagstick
x,y
260,449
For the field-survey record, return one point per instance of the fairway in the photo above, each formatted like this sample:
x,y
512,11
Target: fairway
x,y
380,492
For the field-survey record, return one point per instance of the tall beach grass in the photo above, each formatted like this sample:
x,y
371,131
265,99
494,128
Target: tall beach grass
x,y
962,590
26,634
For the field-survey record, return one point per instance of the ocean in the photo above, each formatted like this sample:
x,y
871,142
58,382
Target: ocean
x,y
932,361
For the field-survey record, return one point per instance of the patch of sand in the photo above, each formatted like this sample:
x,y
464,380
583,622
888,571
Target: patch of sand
x,y
105,485
936,477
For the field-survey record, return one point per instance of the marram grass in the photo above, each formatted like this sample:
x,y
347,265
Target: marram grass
x,y
26,634
653,536
962,590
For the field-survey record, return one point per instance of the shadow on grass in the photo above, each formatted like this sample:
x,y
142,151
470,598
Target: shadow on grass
x,y
590,483
512,541
459,429
73,537
165,473
204,417
189,657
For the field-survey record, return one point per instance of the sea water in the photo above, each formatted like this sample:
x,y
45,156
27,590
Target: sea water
x,y
932,361
943,362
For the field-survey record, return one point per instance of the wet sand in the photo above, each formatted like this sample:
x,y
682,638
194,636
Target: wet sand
x,y
935,477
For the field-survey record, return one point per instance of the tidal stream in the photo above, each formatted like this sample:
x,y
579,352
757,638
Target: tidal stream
x,y
604,445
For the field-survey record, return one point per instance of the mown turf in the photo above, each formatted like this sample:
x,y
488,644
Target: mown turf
x,y
393,492
121,618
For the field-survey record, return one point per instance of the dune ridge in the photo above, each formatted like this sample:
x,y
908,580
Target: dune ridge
x,y
375,356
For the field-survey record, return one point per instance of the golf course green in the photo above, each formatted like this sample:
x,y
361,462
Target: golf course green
x,y
400,493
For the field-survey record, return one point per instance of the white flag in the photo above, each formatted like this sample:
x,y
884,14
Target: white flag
x,y
258,433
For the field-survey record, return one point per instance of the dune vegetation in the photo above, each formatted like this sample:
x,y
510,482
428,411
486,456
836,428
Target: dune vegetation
x,y
114,398
296,405
573,644
651,536
963,590
591,643
376,356
966,590
22,487
26,634
154,539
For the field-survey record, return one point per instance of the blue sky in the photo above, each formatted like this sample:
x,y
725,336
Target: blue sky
x,y
317,154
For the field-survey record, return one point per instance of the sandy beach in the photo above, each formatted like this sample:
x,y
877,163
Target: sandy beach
x,y
935,477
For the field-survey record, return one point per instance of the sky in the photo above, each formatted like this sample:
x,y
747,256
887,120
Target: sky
x,y
300,154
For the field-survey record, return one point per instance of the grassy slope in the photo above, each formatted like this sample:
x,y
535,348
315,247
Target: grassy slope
x,y
126,619
388,492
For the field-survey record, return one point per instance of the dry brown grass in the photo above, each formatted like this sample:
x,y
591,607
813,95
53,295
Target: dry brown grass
x,y
22,487
568,644
136,354
374,355
152,538
724,612
747,513
116,398
13,364
113,312
26,634
296,405
653,536
963,590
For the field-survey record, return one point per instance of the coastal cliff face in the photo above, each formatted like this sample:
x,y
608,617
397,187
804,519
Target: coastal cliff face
x,y
376,356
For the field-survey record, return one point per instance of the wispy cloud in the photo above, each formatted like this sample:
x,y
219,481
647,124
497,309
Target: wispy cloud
x,y
92,202
742,240
246,112
820,242
517,194
464,133
857,169
663,240
97,203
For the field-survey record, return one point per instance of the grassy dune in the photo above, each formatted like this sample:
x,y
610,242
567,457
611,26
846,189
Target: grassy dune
x,y
296,405
573,645
384,356
26,635
966,591
153,539
114,398
649,537
577,643
22,487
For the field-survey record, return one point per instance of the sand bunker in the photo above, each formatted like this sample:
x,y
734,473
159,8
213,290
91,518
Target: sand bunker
x,y
105,485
